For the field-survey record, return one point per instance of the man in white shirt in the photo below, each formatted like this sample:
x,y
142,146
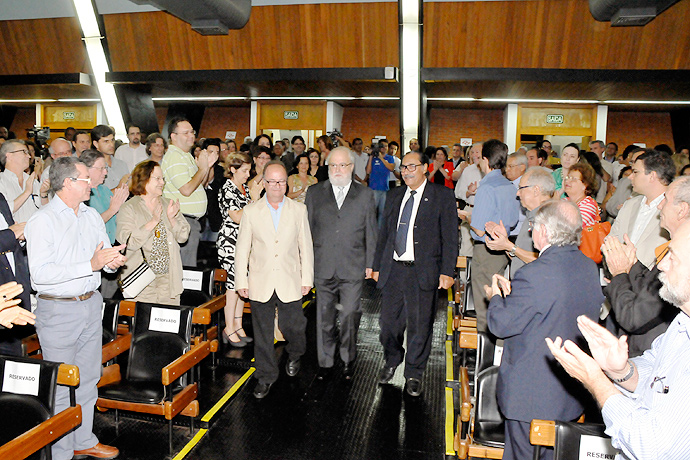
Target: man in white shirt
x,y
361,161
638,219
22,191
134,152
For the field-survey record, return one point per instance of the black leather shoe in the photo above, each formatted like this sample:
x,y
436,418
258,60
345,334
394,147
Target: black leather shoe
x,y
386,375
413,387
324,373
292,367
261,390
349,370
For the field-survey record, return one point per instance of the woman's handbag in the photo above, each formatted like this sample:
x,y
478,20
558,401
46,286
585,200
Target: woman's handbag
x,y
592,239
135,282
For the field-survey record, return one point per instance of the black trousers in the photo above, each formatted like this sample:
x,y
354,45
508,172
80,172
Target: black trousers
x,y
329,293
292,324
404,305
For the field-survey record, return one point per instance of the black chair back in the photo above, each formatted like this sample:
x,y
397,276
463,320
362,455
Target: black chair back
x,y
198,286
110,313
489,427
27,397
161,334
569,435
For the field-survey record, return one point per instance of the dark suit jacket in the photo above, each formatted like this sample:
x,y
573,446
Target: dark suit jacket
x,y
546,298
215,219
8,242
435,235
344,239
637,308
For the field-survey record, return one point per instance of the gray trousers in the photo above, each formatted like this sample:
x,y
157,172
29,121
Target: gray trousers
x,y
71,332
485,263
329,293
189,250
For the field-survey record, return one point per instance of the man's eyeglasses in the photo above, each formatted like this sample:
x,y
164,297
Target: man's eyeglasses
x,y
24,151
186,133
524,186
340,166
82,179
273,183
411,167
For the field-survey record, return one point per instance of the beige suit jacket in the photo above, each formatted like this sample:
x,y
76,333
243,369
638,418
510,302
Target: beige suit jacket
x,y
268,261
652,236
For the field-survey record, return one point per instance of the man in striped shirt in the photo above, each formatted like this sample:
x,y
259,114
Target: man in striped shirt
x,y
644,400
185,180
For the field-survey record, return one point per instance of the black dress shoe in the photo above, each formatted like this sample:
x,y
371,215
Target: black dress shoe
x,y
261,390
413,387
386,375
349,370
292,367
324,373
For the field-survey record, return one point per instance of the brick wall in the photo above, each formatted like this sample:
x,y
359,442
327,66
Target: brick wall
x,y
652,128
218,120
367,122
447,126
24,119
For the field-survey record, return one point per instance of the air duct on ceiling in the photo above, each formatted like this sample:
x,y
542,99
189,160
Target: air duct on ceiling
x,y
628,12
208,17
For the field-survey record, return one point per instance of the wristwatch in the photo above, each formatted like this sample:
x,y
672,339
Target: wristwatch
x,y
627,377
511,253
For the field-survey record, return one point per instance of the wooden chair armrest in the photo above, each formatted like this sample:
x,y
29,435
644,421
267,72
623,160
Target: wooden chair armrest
x,y
68,374
116,347
36,438
220,275
215,304
465,395
111,374
201,316
30,344
467,337
184,363
127,308
461,262
542,433
468,322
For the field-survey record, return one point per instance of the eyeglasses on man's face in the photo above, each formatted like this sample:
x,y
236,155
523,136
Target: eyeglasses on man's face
x,y
340,166
81,179
274,183
410,167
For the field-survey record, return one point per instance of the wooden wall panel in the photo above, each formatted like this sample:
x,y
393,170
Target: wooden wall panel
x,y
218,120
550,34
23,120
652,128
320,35
42,46
448,126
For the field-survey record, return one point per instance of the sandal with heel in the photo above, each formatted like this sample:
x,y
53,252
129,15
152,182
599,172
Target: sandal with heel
x,y
245,338
226,339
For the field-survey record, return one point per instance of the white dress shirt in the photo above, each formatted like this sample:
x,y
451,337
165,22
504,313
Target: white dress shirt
x,y
337,188
9,186
645,214
408,255
469,175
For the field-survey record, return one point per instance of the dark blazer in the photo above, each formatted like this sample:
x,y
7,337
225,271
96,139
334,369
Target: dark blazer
x,y
215,219
344,239
435,235
546,298
8,242
637,308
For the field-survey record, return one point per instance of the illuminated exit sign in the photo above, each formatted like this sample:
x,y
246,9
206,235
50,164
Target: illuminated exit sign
x,y
554,119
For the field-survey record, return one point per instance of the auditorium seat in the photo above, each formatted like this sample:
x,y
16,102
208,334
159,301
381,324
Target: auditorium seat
x,y
567,440
160,377
27,401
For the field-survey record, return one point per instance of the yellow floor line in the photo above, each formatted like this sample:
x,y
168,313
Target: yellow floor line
x,y
190,445
233,389
450,450
449,361
208,415
449,321
450,295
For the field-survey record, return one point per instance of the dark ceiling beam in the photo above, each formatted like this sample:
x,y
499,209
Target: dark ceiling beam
x,y
46,79
430,74
328,74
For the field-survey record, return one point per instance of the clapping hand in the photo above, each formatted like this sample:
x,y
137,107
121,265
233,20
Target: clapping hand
x,y
500,285
120,195
173,209
619,257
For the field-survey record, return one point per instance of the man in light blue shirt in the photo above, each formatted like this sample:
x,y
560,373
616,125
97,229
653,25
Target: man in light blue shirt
x,y
67,247
644,400
494,203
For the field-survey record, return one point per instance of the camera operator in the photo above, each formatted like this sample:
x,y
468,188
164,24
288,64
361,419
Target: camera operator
x,y
379,168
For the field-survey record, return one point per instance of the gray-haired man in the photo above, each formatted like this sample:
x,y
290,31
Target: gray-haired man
x,y
67,248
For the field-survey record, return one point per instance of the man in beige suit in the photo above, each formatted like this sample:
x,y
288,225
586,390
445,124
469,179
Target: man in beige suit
x,y
274,268
653,171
